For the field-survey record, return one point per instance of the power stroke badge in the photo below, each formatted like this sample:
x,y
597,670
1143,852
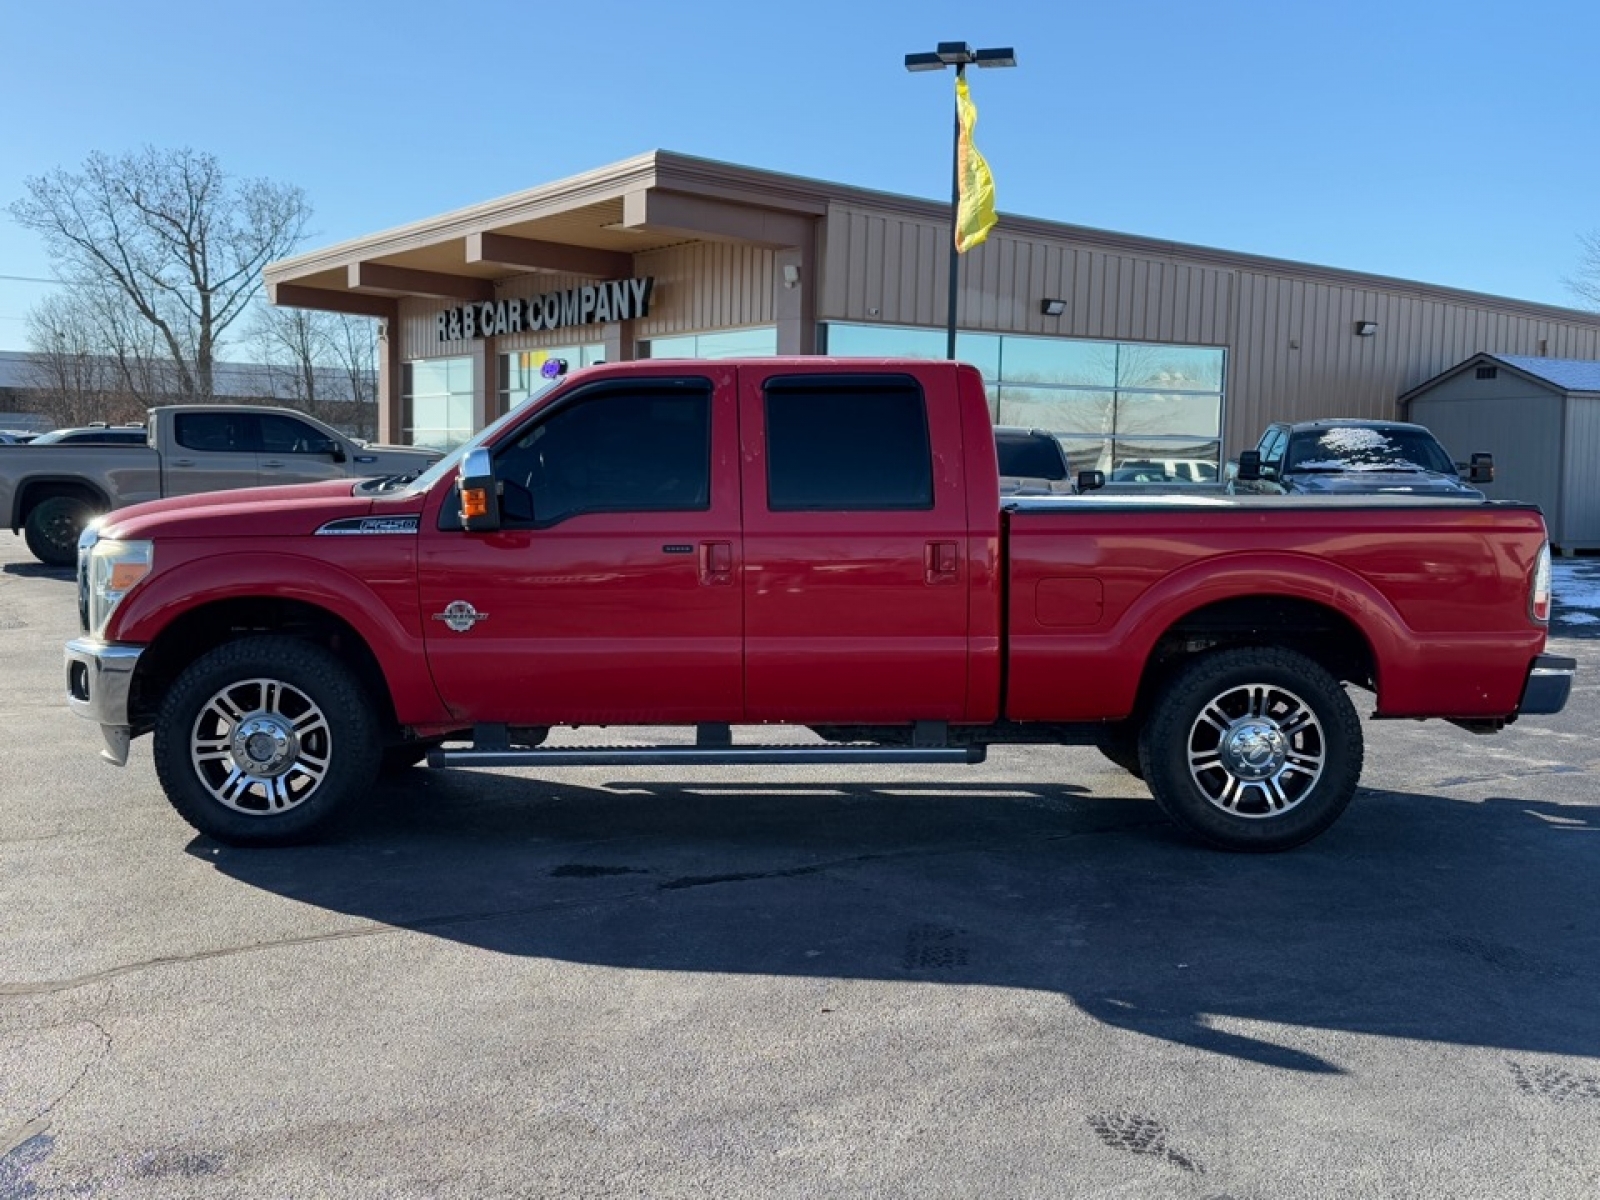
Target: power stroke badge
x,y
460,616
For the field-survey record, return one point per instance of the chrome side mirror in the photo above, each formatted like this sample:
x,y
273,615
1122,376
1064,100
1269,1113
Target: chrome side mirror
x,y
475,486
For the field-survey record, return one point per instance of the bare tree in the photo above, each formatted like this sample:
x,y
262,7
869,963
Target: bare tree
x,y
87,364
169,230
325,363
1586,283
355,350
294,343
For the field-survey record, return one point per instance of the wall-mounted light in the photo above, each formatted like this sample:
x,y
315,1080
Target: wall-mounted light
x,y
791,275
1052,308
1366,328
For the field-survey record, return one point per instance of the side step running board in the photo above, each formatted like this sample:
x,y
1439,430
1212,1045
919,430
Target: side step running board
x,y
661,756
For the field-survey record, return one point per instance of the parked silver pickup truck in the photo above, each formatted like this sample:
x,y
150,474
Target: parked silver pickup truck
x,y
52,492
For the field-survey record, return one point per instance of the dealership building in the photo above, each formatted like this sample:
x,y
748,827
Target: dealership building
x,y
1125,347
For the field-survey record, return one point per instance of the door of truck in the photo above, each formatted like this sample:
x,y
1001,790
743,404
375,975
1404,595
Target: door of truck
x,y
296,451
208,450
855,540
610,595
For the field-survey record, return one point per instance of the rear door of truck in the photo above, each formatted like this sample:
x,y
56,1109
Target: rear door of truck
x,y
206,450
855,575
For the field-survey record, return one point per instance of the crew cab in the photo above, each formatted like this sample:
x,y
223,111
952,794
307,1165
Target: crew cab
x,y
790,541
52,488
1347,456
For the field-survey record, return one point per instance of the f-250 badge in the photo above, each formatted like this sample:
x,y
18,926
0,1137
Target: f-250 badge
x,y
460,616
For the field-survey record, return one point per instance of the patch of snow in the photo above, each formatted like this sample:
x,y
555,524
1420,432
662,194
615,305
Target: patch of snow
x,y
1576,583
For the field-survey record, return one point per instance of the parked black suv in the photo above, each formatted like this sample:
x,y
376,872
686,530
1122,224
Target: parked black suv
x,y
1345,456
1032,462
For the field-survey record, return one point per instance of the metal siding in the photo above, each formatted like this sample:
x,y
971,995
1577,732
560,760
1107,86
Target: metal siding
x,y
897,264
1580,499
419,332
706,286
699,287
1516,421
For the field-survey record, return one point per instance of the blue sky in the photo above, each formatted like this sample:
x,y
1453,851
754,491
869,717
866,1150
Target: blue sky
x,y
1452,143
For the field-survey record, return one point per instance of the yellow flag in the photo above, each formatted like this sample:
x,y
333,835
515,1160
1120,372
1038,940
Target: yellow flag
x,y
975,214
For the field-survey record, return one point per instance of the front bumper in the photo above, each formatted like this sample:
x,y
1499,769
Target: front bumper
x,y
99,679
1548,686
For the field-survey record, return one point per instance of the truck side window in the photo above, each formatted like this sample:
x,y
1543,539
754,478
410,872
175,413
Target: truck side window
x,y
1272,448
619,449
285,435
210,432
843,443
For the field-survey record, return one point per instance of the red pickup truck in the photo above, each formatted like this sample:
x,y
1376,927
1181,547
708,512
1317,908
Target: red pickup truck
x,y
805,541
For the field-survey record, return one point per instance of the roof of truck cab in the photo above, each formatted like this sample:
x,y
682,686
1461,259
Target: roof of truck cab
x,y
1354,423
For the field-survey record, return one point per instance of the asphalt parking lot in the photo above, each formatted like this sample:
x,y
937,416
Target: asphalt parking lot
x,y
1007,980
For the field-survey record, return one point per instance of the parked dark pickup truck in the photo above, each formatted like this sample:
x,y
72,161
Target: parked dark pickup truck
x,y
1346,456
52,491
698,543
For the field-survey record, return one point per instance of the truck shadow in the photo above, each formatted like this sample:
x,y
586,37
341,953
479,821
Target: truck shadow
x,y
1417,916
38,571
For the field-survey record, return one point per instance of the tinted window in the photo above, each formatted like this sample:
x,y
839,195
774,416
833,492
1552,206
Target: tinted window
x,y
213,431
285,435
1036,456
621,448
842,443
1272,447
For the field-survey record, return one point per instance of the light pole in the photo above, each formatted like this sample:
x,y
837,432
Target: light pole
x,y
957,55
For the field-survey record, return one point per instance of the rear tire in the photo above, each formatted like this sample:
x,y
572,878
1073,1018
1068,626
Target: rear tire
x,y
1253,749
53,527
262,741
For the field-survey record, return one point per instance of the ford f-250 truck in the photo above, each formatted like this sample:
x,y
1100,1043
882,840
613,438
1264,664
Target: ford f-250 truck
x,y
51,492
807,541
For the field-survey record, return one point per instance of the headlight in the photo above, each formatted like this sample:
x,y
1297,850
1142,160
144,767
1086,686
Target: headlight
x,y
112,570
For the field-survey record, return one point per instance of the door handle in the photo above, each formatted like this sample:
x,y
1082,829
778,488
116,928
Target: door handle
x,y
943,562
183,462
273,463
716,563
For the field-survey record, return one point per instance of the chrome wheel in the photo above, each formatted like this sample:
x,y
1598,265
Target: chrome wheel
x,y
1256,750
261,746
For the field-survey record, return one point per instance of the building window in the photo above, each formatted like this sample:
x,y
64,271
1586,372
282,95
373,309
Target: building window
x,y
436,402
760,342
1136,406
519,372
843,444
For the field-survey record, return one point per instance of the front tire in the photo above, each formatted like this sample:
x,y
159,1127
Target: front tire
x,y
1253,749
262,741
53,526
1118,743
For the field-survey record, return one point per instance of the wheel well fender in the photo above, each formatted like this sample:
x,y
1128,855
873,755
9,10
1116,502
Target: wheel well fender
x,y
185,611
1320,608
35,489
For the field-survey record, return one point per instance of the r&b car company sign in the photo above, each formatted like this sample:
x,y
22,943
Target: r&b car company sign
x,y
592,304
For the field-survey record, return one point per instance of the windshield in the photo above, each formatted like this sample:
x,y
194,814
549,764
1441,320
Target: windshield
x,y
1368,448
446,465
